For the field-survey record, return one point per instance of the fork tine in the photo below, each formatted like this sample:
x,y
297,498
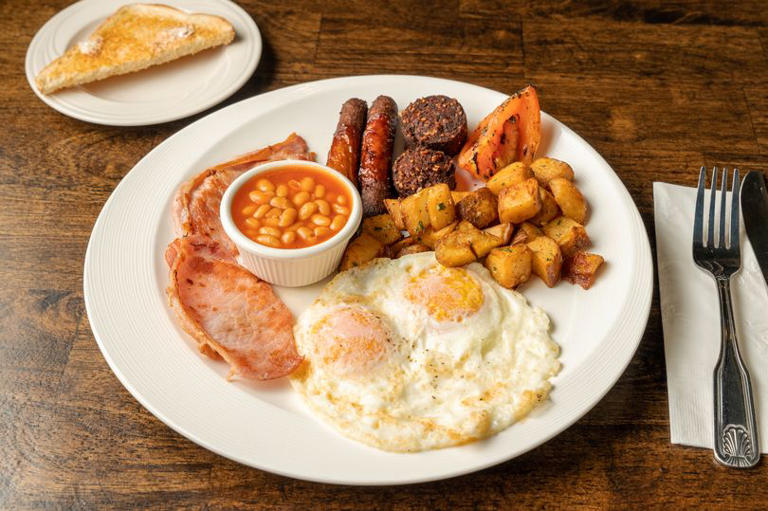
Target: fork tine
x,y
735,197
712,199
698,218
723,190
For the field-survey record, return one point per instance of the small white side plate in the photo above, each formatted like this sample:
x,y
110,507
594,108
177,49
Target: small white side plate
x,y
159,94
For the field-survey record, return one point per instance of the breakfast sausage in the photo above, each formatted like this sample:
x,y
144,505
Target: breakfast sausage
x,y
344,154
376,155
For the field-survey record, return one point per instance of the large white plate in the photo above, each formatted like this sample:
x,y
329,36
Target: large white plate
x,y
159,94
266,425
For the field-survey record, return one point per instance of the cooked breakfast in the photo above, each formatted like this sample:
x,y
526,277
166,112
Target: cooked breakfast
x,y
408,355
435,122
135,37
291,207
344,154
232,314
212,295
419,167
421,340
526,200
375,173
510,133
196,205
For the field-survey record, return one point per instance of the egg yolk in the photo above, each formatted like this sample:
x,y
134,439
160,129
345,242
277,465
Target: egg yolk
x,y
352,340
448,294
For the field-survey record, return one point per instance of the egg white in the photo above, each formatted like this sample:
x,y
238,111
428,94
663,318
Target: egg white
x,y
426,376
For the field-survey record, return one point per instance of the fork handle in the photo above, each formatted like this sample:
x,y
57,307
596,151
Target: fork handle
x,y
736,443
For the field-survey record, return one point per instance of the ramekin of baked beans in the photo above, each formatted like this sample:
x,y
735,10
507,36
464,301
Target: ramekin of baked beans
x,y
291,220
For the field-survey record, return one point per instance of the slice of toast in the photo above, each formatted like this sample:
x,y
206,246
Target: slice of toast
x,y
135,37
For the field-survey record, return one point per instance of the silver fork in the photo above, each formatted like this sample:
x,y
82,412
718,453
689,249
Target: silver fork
x,y
736,443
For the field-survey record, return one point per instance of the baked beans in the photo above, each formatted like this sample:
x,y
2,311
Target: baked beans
x,y
292,207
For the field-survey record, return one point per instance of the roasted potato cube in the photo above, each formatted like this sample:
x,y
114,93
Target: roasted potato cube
x,y
457,196
547,260
568,234
393,208
582,268
510,266
526,232
510,175
480,208
415,214
392,250
569,198
547,169
361,250
455,249
440,206
413,249
430,236
383,228
446,230
483,243
501,231
465,226
464,245
549,208
519,202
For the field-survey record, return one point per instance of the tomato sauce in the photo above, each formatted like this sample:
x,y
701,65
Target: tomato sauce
x,y
291,207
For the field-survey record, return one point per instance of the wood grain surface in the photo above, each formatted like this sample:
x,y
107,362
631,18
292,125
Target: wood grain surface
x,y
657,89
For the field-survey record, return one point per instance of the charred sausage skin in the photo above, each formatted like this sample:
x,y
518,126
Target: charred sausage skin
x,y
344,154
376,155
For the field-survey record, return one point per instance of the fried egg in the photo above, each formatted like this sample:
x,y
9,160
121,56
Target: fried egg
x,y
408,355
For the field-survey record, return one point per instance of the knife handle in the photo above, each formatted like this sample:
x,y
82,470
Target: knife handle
x,y
736,443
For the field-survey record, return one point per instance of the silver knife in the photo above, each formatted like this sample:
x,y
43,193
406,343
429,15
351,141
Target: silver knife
x,y
754,208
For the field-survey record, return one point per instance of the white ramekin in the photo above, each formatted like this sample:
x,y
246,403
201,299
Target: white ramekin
x,y
292,267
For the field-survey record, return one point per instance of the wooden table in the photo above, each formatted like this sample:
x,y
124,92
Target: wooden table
x,y
657,90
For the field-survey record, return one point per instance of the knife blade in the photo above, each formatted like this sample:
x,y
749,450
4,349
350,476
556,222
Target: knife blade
x,y
754,209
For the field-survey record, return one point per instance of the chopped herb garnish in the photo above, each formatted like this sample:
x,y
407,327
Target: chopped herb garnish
x,y
440,206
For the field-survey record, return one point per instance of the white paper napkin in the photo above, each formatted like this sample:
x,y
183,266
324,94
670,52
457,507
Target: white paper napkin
x,y
691,319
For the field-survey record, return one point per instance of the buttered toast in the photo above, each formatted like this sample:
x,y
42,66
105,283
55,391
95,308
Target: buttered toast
x,y
135,37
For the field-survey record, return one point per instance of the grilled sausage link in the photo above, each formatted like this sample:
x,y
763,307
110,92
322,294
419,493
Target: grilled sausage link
x,y
344,154
376,155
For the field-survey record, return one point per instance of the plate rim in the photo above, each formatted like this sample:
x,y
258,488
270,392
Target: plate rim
x,y
254,39
639,321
